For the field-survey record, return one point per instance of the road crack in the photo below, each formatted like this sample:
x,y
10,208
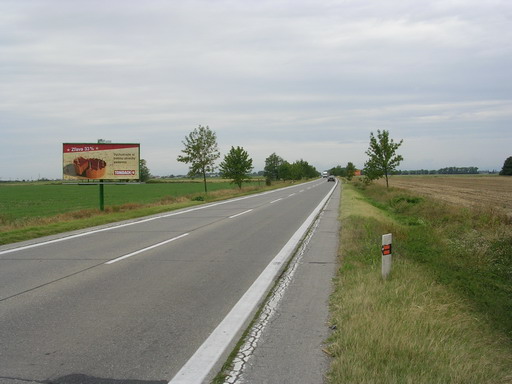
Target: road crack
x,y
268,312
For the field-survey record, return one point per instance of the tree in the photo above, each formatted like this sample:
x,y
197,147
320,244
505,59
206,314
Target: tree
x,y
285,170
272,165
301,169
383,158
338,171
145,174
350,170
507,167
200,152
236,165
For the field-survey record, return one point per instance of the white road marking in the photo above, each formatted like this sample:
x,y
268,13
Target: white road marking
x,y
145,249
292,194
204,359
275,201
240,214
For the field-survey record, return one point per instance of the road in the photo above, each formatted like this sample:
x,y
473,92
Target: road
x,y
131,303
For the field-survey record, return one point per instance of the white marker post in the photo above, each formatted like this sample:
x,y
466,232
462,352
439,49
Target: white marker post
x,y
386,255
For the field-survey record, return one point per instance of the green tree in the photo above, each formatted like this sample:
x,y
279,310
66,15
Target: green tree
x,y
301,169
285,172
272,165
236,165
507,167
200,152
144,174
382,156
296,171
350,170
338,171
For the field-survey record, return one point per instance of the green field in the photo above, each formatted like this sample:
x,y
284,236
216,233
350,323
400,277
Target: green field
x,y
18,201
31,210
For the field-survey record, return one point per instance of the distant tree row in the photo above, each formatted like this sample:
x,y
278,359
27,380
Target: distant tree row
x,y
458,171
348,172
201,151
442,171
276,168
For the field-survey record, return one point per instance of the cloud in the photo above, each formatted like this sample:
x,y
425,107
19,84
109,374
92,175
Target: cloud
x,y
305,79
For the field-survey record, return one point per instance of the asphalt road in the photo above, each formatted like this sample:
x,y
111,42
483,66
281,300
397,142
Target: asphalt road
x,y
131,303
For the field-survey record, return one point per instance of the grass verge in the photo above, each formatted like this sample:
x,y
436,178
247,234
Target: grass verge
x,y
430,322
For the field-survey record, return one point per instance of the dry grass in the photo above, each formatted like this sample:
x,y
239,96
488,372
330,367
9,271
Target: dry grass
x,y
408,329
411,330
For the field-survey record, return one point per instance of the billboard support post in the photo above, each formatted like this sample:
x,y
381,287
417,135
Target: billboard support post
x,y
102,197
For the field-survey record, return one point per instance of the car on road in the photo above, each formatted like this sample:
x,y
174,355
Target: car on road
x,y
331,178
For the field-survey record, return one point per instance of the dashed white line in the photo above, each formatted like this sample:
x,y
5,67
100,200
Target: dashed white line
x,y
292,194
240,214
275,201
146,249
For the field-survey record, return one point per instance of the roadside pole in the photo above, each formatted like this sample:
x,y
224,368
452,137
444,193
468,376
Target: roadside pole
x,y
386,255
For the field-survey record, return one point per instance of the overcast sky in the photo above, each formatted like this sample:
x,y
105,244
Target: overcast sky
x,y
304,79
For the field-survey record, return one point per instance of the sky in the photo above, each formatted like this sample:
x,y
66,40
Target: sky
x,y
305,79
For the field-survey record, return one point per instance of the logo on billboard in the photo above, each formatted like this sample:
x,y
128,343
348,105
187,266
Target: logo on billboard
x,y
124,173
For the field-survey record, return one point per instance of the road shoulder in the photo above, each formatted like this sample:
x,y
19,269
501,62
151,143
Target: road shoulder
x,y
289,344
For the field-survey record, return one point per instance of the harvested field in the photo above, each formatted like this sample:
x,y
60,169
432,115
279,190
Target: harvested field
x,y
489,192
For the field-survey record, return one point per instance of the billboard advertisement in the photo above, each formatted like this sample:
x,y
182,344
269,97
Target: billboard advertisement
x,y
100,161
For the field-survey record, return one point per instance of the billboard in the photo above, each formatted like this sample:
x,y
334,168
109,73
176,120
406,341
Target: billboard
x,y
100,161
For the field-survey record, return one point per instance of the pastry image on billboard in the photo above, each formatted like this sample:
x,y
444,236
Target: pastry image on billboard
x,y
90,168
81,165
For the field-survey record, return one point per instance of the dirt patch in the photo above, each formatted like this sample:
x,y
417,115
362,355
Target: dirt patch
x,y
492,192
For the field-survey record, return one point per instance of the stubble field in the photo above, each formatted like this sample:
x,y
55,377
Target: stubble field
x,y
488,192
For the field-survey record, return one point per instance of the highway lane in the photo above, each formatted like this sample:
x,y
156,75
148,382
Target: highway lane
x,y
68,316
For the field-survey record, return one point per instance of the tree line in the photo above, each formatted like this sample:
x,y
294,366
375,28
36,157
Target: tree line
x,y
276,168
201,152
442,171
348,172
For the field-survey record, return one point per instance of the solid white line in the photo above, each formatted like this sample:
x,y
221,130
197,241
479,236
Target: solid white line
x,y
204,359
240,214
275,201
145,249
